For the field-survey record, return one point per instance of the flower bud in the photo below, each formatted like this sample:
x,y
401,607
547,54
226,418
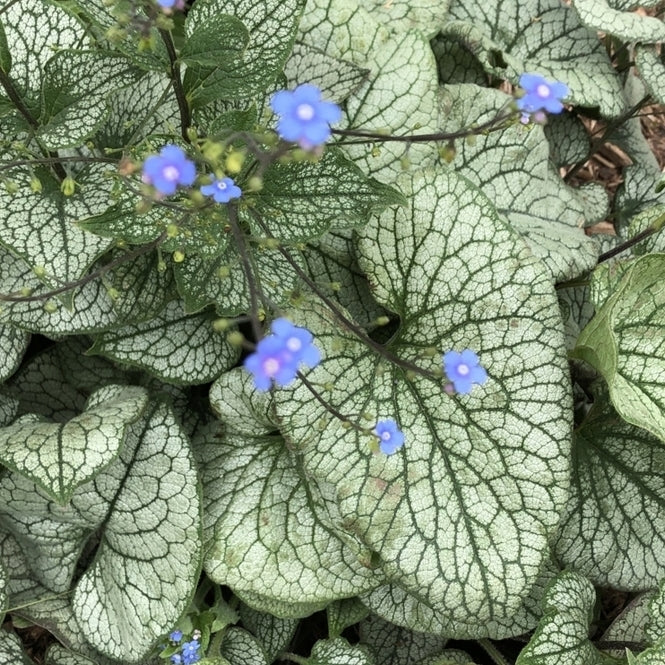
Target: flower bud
x,y
68,186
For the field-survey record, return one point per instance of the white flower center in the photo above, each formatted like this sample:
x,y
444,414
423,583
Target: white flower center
x,y
543,91
293,344
305,111
171,173
463,369
385,436
271,366
221,185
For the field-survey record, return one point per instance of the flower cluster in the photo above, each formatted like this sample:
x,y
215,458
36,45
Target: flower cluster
x,y
463,370
303,116
189,652
171,168
278,356
540,96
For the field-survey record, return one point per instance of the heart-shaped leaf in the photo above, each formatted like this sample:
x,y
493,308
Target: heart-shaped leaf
x,y
632,27
488,470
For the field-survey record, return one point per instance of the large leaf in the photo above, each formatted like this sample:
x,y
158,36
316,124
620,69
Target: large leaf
x,y
274,634
425,15
613,528
511,37
62,456
487,471
599,15
562,637
140,292
512,167
344,613
13,343
75,94
336,78
271,26
400,97
625,343
261,516
39,226
241,648
175,346
392,645
302,201
144,509
34,30
338,651
11,650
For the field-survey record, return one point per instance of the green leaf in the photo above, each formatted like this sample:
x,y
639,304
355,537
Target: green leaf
x,y
145,510
455,62
239,406
3,592
428,16
655,628
5,53
260,515
332,265
271,26
568,139
140,292
40,228
61,456
562,637
343,29
344,613
653,218
35,30
218,42
399,98
176,347
624,342
458,277
241,648
511,37
301,201
652,71
13,343
336,78
338,651
11,650
392,645
58,655
630,625
598,15
274,634
8,408
75,94
612,529
222,281
512,167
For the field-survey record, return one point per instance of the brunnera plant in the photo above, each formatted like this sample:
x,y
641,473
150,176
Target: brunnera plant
x,y
298,313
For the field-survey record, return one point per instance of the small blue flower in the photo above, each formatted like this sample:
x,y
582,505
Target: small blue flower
x,y
176,659
463,370
541,94
391,438
303,116
170,4
176,636
279,355
190,652
168,170
222,190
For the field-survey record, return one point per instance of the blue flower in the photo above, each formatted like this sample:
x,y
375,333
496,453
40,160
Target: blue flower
x,y
176,659
170,4
190,652
168,170
303,116
541,94
222,190
279,355
176,636
463,370
391,438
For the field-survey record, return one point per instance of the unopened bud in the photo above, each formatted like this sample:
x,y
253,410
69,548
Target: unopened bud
x,y
448,152
36,185
172,230
68,186
234,162
405,163
212,151
220,325
471,140
114,294
11,187
254,184
50,307
223,272
376,151
335,286
178,256
346,424
235,338
40,271
192,134
26,291
382,321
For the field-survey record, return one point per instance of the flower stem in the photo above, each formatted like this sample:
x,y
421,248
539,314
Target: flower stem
x,y
493,652
183,106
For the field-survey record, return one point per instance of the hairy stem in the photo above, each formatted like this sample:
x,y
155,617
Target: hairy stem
x,y
493,652
628,244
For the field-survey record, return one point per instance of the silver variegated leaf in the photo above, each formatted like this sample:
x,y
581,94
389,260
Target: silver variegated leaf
x,y
274,634
241,648
11,650
599,15
488,471
13,342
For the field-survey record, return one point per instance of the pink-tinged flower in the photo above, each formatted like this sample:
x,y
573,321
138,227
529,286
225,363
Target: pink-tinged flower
x,y
278,356
463,370
391,438
168,170
222,190
303,116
